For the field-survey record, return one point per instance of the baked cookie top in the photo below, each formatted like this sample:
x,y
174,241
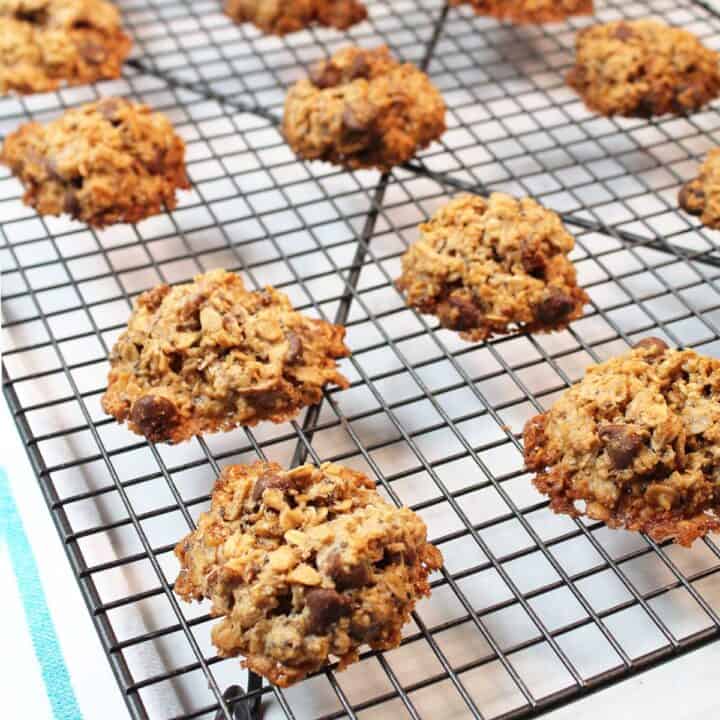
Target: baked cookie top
x,y
44,43
279,17
643,68
701,195
482,265
362,108
529,11
637,442
107,162
210,355
303,564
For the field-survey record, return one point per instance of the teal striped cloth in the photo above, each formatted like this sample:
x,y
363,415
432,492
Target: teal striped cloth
x,y
54,673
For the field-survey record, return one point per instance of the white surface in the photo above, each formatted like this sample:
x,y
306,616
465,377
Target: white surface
x,y
683,689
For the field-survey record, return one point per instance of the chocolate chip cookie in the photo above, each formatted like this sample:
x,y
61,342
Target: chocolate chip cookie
x,y
529,11
280,17
701,196
482,265
636,441
643,68
210,355
361,109
107,162
302,565
44,43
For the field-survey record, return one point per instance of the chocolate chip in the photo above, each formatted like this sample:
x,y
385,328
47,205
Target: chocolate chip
x,y
345,577
360,67
654,345
326,607
93,53
50,165
110,108
647,106
532,259
468,315
555,307
265,482
622,444
155,416
270,400
367,633
295,348
36,17
261,485
284,605
356,120
325,75
408,556
624,32
71,204
156,164
176,361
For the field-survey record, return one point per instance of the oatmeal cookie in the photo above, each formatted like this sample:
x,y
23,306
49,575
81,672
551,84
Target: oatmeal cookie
x,y
643,68
211,355
280,17
362,109
529,11
304,564
482,265
44,43
107,162
701,196
637,441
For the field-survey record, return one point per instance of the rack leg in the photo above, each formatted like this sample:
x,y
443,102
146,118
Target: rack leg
x,y
250,709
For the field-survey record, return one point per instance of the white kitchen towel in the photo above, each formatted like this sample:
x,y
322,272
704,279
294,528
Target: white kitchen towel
x,y
53,666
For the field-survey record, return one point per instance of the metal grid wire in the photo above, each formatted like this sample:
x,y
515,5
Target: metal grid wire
x,y
531,609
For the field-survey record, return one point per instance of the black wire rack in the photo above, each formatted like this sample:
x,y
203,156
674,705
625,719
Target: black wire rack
x,y
531,610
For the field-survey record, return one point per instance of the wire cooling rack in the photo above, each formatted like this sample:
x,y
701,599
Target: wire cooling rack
x,y
531,609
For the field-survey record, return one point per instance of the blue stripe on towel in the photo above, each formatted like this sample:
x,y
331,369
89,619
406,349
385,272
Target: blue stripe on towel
x,y
45,642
